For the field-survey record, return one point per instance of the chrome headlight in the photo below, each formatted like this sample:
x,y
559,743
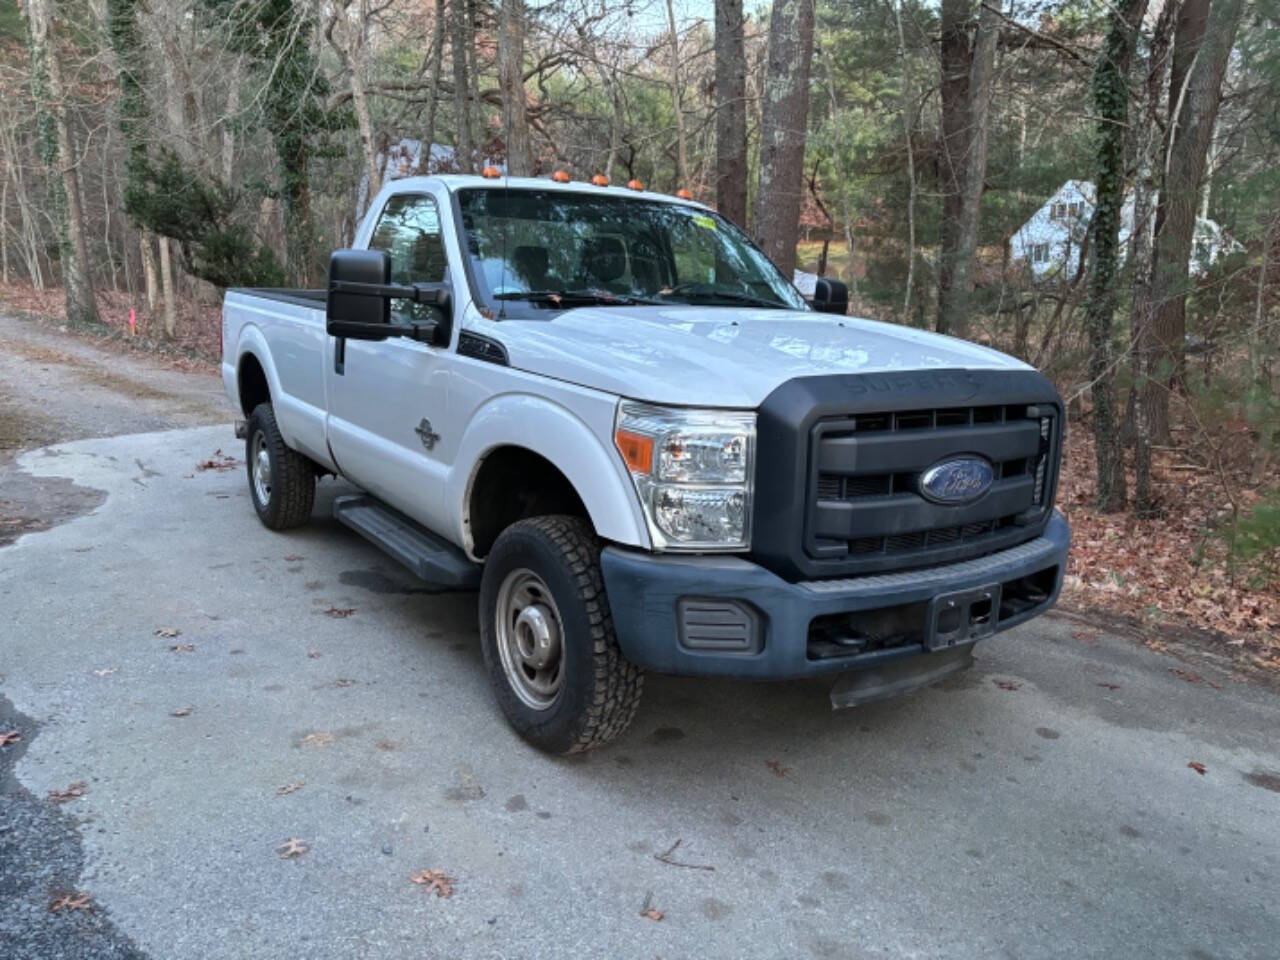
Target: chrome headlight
x,y
694,471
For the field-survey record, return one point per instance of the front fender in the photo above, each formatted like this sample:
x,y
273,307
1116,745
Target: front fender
x,y
562,437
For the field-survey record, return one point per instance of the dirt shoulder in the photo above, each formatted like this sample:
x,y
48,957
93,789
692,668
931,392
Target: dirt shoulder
x,y
56,384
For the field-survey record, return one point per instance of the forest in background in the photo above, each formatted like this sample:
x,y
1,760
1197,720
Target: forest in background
x,y
155,152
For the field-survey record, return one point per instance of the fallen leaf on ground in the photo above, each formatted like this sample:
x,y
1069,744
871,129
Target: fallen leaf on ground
x,y
1085,636
105,672
436,880
289,788
294,558
387,745
1110,686
1007,684
1197,766
345,682
652,914
219,461
778,769
291,848
10,736
313,654
317,740
340,612
181,712
72,901
77,789
168,632
182,648
1190,677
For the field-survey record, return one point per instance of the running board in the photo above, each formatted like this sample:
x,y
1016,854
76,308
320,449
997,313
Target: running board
x,y
428,556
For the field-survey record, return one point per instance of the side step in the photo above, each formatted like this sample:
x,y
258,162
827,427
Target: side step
x,y
428,556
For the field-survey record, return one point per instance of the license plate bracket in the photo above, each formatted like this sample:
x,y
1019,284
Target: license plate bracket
x,y
964,616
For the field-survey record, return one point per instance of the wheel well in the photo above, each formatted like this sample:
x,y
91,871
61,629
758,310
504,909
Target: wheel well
x,y
512,484
254,388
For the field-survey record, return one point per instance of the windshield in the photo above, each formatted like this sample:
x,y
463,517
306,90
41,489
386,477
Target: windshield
x,y
537,250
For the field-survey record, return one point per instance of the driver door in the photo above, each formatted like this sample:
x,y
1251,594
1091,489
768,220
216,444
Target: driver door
x,y
388,400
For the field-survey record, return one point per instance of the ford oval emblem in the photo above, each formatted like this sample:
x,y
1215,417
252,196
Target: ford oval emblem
x,y
958,480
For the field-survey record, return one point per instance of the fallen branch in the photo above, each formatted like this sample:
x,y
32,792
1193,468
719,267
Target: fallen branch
x,y
665,857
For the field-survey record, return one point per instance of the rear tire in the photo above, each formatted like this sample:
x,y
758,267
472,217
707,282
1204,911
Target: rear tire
x,y
548,637
282,482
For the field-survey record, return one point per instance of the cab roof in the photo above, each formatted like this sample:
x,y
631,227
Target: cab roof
x,y
457,181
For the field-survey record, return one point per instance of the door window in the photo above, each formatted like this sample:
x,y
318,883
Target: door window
x,y
408,229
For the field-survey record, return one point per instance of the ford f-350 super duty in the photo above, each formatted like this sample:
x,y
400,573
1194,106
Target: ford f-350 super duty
x,y
610,412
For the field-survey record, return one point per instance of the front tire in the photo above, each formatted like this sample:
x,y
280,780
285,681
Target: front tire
x,y
548,638
282,482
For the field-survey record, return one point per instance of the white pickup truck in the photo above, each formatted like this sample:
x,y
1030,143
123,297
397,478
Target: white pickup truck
x,y
613,414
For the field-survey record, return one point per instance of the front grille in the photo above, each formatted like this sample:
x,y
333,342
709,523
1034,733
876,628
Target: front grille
x,y
865,508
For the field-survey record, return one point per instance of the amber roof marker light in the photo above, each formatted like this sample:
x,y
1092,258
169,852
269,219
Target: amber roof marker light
x,y
634,185
560,176
684,194
600,180
491,173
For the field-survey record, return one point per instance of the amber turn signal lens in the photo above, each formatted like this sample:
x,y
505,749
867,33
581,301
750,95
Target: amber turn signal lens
x,y
600,180
635,185
491,173
560,177
636,450
684,194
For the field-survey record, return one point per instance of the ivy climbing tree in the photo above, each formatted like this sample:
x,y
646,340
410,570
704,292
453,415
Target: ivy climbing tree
x,y
1111,105
276,36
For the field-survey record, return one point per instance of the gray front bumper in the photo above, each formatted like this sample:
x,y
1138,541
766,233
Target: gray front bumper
x,y
645,593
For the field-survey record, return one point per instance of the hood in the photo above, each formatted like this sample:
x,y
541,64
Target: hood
x,y
722,356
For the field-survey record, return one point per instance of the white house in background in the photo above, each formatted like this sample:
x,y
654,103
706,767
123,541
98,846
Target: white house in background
x,y
1051,240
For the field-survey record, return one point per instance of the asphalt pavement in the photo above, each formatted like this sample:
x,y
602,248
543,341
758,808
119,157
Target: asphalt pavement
x,y
191,692
220,689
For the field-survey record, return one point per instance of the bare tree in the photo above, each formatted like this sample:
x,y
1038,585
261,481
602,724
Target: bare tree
x,y
731,112
511,77
348,33
960,232
1195,90
58,150
460,35
677,101
782,133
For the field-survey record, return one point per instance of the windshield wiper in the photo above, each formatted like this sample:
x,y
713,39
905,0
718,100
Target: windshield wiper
x,y
705,292
567,298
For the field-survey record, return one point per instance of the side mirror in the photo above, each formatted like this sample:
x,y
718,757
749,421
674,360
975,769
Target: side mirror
x,y
371,267
830,296
358,306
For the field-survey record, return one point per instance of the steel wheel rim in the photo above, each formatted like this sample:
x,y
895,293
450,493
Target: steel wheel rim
x,y
260,468
530,639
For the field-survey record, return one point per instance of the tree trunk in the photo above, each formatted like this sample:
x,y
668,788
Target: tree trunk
x,y
1143,309
731,112
908,106
782,131
58,150
1111,104
166,280
677,107
433,97
147,247
837,162
464,152
1195,92
953,303
360,105
511,70
956,59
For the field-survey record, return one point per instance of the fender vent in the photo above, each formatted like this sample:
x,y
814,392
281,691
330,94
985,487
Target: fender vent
x,y
482,348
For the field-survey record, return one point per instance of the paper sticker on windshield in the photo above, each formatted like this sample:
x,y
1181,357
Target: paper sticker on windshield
x,y
704,221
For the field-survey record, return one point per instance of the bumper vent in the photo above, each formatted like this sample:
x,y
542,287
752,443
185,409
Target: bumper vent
x,y
723,626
